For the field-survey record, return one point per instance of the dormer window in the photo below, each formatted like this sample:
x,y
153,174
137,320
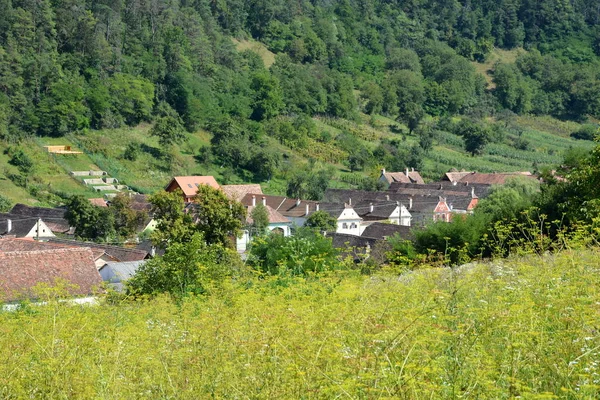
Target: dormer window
x,y
190,185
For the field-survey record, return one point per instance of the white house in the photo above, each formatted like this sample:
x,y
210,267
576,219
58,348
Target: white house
x,y
25,227
277,223
348,220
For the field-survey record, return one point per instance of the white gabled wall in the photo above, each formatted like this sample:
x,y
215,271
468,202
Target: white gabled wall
x,y
348,222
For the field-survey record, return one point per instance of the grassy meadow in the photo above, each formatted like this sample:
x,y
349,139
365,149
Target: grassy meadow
x,y
519,328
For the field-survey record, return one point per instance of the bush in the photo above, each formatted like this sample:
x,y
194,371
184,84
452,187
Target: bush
x,y
5,204
586,132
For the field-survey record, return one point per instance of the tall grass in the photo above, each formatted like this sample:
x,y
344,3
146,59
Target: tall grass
x,y
523,328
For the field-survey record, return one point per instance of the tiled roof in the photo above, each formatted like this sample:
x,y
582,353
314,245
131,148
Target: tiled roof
x,y
54,218
455,176
396,177
378,230
441,188
381,209
346,242
493,178
20,226
38,212
115,252
189,184
27,244
237,192
98,202
274,216
23,270
291,208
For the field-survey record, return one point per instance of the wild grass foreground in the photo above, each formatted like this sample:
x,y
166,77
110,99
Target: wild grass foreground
x,y
523,327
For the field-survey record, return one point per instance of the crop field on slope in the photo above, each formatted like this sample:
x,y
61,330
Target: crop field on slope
x,y
523,328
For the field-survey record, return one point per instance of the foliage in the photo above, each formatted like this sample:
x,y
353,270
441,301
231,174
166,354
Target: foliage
x,y
217,217
189,268
173,224
5,204
90,222
260,219
586,132
303,253
169,130
321,221
127,220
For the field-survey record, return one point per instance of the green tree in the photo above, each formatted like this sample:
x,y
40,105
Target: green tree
x,y
169,131
260,220
188,268
173,225
5,204
218,218
321,221
126,219
267,97
90,222
475,135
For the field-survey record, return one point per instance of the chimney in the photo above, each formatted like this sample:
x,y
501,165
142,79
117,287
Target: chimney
x,y
473,192
8,226
298,202
307,209
407,172
253,201
413,170
317,206
410,203
153,251
350,201
371,207
382,171
387,197
264,201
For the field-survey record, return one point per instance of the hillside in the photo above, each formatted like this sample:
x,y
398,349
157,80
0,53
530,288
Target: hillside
x,y
282,91
523,327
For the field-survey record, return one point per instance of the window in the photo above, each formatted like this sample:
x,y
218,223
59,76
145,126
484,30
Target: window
x,y
190,185
344,226
353,226
197,185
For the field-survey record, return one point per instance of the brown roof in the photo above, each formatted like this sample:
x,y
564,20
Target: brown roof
x,y
291,208
455,176
54,218
396,177
274,216
21,271
379,230
99,202
410,176
492,178
237,192
27,244
189,184
116,253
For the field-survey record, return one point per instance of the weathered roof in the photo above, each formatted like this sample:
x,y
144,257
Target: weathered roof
x,y
455,176
410,176
39,212
189,184
378,230
98,202
54,218
20,226
441,188
381,209
115,252
21,271
492,178
274,216
346,242
291,208
237,192
27,244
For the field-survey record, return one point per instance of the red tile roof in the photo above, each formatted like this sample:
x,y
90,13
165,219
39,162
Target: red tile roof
x,y
493,178
274,216
21,271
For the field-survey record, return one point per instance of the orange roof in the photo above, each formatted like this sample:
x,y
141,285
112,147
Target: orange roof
x,y
189,184
98,202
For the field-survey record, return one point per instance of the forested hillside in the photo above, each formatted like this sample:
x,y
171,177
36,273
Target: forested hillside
x,y
67,67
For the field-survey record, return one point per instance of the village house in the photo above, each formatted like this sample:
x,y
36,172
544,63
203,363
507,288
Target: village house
x,y
277,223
54,218
189,185
22,227
25,264
409,176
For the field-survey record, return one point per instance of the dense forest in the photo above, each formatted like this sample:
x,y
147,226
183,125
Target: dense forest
x,y
68,66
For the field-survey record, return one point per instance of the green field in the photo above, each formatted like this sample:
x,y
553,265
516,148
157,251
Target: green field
x,y
519,328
